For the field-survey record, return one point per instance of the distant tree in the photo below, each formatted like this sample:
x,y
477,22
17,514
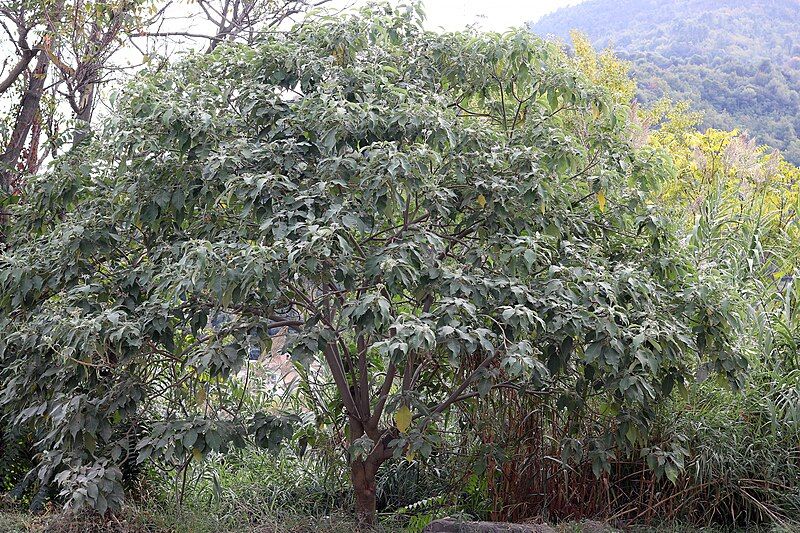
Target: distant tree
x,y
604,69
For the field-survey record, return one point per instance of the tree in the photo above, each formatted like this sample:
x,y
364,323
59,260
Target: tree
x,y
75,53
233,20
603,69
23,17
433,216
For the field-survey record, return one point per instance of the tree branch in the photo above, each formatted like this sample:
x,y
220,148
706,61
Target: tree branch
x,y
337,370
456,394
19,68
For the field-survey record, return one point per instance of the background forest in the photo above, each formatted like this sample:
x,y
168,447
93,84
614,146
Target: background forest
x,y
737,61
516,280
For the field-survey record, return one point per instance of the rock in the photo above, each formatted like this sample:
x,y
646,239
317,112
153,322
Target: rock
x,y
592,526
452,525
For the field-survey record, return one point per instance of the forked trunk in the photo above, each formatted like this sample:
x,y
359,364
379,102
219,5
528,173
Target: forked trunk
x,y
28,109
362,474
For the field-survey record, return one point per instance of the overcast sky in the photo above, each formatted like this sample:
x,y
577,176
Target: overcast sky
x,y
493,15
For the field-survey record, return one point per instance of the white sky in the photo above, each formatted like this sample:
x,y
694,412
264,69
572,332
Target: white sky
x,y
491,15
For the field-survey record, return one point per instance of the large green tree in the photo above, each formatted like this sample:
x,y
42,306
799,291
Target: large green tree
x,y
432,216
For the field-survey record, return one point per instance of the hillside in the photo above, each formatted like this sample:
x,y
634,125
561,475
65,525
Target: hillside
x,y
737,60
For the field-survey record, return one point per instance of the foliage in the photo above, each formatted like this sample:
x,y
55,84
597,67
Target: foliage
x,y
429,233
725,458
61,54
734,205
15,459
738,61
604,69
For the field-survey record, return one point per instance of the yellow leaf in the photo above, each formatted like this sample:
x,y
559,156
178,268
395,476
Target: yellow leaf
x,y
402,418
200,397
601,201
410,456
481,201
339,54
196,455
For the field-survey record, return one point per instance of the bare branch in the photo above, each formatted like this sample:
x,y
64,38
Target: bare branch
x,y
19,68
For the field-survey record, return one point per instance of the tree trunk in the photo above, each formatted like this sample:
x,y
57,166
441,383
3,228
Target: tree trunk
x,y
28,109
363,476
84,116
32,166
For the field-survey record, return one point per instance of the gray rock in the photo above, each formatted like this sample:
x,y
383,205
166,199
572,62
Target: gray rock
x,y
451,525
592,526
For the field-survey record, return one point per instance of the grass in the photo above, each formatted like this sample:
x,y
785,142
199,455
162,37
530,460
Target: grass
x,y
11,522
151,520
155,519
737,436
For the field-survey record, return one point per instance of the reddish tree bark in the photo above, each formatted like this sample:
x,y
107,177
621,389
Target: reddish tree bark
x,y
362,475
363,470
32,165
29,107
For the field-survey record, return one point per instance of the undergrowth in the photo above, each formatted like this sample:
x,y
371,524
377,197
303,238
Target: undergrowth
x,y
742,471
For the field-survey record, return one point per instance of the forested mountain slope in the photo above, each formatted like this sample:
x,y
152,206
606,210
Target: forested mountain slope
x,y
737,60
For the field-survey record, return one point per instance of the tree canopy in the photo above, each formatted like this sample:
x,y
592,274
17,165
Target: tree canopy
x,y
432,215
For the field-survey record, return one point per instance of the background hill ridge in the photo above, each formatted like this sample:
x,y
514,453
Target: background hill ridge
x,y
738,61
